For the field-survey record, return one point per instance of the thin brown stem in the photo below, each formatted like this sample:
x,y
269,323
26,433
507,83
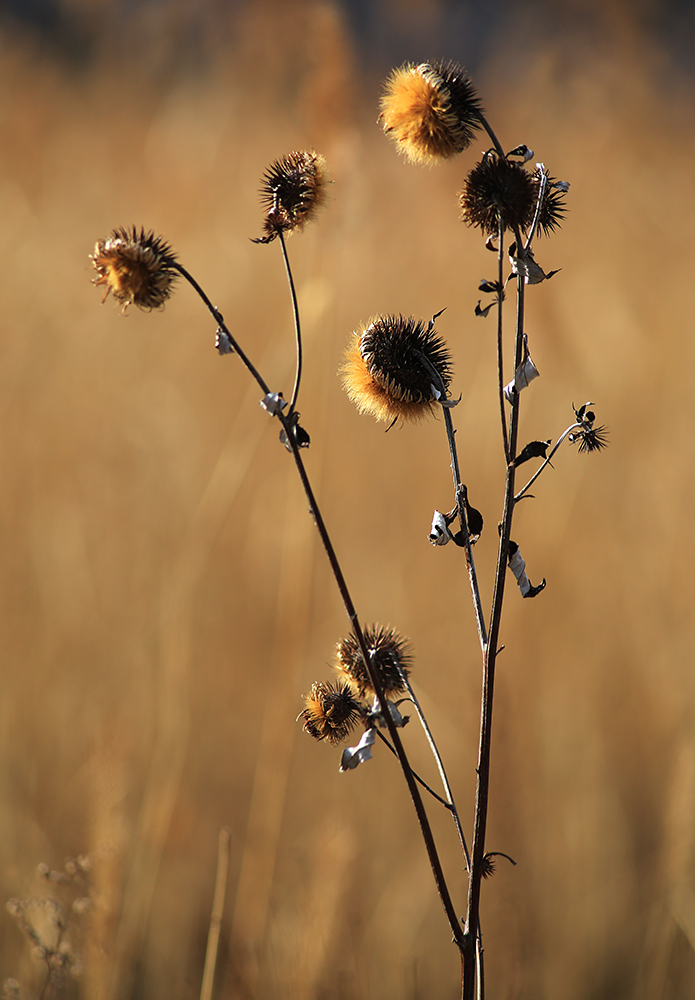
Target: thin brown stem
x,y
418,804
219,319
461,502
297,325
500,345
291,441
488,128
460,492
472,922
440,767
421,781
524,489
216,914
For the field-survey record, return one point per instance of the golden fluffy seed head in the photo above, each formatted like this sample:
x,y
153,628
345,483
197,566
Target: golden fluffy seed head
x,y
498,187
389,651
294,189
431,111
331,711
135,267
396,367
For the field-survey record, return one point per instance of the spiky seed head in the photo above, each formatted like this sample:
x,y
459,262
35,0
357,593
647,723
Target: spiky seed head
x,y
388,371
431,111
590,438
587,436
554,208
389,651
498,187
331,711
135,267
293,190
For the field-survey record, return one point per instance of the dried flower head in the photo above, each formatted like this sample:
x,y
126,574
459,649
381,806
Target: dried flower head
x,y
589,437
553,208
498,188
432,111
293,190
396,367
391,656
136,267
331,711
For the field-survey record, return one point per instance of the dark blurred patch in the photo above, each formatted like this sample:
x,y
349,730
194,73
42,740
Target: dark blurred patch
x,y
385,32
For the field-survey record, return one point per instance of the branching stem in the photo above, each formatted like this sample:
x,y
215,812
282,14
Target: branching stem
x,y
522,492
472,958
287,424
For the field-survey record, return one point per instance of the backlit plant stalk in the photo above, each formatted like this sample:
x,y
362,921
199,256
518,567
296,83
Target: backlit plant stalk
x,y
139,268
432,112
399,368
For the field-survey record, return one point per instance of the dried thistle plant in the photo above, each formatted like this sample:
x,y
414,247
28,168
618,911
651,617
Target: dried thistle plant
x,y
400,368
137,268
396,368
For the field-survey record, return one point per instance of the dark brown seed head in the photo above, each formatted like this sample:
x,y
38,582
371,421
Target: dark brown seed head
x,y
135,267
396,367
389,651
331,711
498,188
293,190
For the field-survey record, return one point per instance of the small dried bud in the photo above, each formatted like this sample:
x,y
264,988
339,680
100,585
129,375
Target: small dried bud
x,y
393,366
137,268
331,711
293,190
432,111
588,437
390,656
495,189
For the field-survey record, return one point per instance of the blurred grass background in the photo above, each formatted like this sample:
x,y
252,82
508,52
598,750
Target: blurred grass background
x,y
164,600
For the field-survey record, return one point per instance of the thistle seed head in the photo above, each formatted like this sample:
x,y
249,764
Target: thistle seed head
x,y
431,111
331,711
498,187
389,651
136,267
293,190
396,367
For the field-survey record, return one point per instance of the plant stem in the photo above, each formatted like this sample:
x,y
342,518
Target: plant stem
x,y
488,128
425,828
500,353
297,325
440,768
471,927
534,477
459,490
420,781
217,316
216,915
287,424
461,500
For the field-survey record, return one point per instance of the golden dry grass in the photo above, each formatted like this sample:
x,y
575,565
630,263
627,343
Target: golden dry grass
x,y
164,599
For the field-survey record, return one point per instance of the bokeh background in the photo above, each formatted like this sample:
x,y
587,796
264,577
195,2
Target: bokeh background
x,y
165,602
